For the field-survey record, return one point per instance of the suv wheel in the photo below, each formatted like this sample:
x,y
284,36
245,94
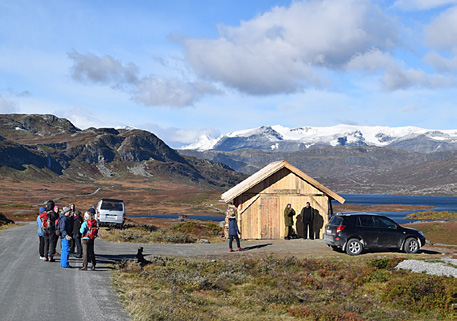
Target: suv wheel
x,y
411,245
354,247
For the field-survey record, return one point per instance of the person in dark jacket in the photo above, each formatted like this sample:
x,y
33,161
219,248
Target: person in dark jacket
x,y
50,237
318,224
72,221
40,234
77,222
65,235
289,213
233,232
307,214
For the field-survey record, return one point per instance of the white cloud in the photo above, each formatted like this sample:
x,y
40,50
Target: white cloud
x,y
7,106
148,91
285,49
441,33
102,70
80,117
396,78
372,60
441,63
422,4
178,137
153,91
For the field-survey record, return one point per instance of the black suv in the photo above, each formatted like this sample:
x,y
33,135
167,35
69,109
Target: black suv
x,y
354,232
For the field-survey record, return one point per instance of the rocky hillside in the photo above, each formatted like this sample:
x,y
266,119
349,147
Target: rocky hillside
x,y
39,146
358,170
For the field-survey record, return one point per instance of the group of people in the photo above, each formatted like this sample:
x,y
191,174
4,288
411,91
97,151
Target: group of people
x,y
310,219
67,227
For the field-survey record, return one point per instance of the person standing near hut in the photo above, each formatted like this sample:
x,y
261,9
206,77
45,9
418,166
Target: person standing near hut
x,y
307,214
289,213
233,232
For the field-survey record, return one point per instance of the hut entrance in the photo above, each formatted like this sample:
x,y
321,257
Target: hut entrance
x,y
269,223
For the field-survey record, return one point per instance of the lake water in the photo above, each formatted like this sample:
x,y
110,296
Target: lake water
x,y
441,203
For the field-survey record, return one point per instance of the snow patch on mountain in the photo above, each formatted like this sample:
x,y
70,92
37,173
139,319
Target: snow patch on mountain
x,y
306,137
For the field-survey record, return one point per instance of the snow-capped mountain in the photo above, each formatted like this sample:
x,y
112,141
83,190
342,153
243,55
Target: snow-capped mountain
x,y
279,138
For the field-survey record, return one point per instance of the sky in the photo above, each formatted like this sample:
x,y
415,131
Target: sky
x,y
181,69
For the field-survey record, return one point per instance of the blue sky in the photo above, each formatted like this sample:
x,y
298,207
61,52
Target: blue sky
x,y
181,69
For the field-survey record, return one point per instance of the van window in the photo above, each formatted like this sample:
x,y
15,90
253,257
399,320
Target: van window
x,y
111,206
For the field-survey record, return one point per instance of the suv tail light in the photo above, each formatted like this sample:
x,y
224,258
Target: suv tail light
x,y
340,228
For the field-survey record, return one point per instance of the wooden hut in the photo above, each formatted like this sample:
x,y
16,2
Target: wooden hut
x,y
260,200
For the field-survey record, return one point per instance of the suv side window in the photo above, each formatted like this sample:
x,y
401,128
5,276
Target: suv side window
x,y
366,221
350,220
384,223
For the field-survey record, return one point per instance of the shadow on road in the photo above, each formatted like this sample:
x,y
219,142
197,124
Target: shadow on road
x,y
247,248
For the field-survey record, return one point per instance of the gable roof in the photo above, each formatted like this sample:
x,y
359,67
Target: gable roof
x,y
269,170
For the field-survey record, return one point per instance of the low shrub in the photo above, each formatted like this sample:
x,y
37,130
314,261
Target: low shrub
x,y
433,215
185,232
140,234
273,288
202,229
421,292
384,263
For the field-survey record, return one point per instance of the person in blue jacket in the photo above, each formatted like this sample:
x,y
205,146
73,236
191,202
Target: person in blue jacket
x,y
40,234
233,232
66,236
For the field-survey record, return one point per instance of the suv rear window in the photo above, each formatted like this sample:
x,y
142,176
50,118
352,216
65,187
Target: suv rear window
x,y
336,220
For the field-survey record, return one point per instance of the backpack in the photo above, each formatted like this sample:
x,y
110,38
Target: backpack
x,y
45,219
93,229
58,232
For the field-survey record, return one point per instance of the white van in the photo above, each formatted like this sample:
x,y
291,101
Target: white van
x,y
110,212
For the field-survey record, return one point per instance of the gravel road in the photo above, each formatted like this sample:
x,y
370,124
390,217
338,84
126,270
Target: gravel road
x,y
32,289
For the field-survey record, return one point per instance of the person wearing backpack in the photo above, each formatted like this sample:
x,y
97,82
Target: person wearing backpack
x,y
49,231
89,231
40,233
64,227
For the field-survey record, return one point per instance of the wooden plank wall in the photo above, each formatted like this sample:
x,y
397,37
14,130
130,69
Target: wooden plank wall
x,y
264,218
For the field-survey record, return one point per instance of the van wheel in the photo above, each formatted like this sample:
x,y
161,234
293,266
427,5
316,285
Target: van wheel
x,y
354,247
411,245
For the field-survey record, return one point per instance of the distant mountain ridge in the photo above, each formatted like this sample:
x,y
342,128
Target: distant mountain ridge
x,y
45,146
348,159
283,139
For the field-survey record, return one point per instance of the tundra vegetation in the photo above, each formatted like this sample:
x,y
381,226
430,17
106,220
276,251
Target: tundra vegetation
x,y
434,215
182,232
282,288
